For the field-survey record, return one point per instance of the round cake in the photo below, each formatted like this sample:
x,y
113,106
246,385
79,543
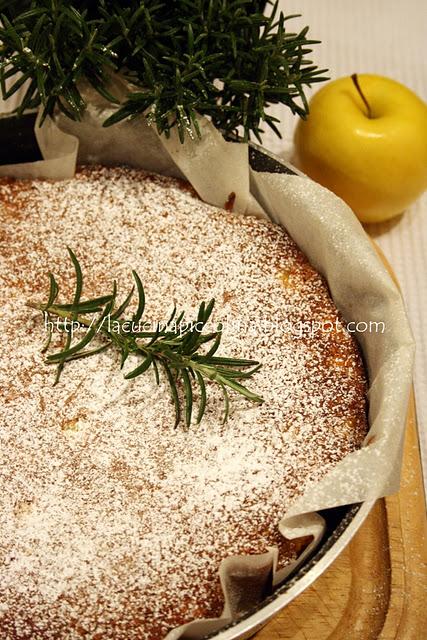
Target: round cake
x,y
113,522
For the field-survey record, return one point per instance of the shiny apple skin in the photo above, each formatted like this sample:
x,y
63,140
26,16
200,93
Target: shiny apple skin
x,y
378,165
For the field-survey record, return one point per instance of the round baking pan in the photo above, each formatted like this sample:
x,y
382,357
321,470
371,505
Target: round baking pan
x,y
18,144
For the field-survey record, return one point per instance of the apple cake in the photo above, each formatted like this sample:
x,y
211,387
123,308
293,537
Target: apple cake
x,y
113,522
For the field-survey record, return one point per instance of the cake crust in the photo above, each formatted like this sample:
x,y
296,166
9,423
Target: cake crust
x,y
113,524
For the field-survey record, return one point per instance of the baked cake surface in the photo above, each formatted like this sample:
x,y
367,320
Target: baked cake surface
x,y
113,523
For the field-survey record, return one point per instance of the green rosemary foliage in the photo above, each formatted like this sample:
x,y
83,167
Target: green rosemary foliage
x,y
221,58
52,46
181,350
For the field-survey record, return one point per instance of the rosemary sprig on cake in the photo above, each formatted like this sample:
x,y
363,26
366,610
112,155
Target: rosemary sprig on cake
x,y
180,349
219,58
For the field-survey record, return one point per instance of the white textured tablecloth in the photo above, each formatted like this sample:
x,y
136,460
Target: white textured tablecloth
x,y
387,37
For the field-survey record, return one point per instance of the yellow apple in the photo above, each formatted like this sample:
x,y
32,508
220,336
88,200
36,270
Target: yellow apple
x,y
366,139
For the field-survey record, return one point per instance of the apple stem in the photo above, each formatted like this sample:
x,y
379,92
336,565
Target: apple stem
x,y
357,85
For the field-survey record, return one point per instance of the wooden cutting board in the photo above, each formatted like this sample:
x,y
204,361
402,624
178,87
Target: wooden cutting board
x,y
377,588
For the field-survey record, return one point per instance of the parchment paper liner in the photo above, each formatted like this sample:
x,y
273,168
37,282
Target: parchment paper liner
x,y
334,241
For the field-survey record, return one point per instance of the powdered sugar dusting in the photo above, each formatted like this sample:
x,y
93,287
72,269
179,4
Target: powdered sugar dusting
x,y
113,523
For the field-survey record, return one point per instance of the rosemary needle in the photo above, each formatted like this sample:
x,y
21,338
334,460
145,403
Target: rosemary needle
x,y
183,351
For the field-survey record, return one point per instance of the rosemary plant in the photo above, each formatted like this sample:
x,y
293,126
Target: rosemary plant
x,y
221,58
181,350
